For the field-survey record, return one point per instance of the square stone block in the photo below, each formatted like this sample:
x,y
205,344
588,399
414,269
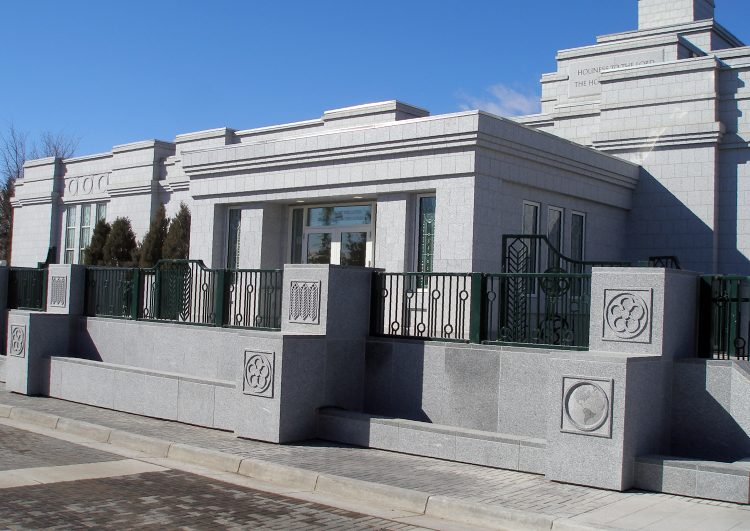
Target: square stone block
x,y
195,403
160,397
724,487
487,452
669,479
532,459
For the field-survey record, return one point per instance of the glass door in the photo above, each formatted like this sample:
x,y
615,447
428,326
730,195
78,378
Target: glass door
x,y
340,234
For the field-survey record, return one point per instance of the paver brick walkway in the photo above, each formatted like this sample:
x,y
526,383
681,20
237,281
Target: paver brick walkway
x,y
509,489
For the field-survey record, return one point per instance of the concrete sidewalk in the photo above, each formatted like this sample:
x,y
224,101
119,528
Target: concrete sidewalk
x,y
465,493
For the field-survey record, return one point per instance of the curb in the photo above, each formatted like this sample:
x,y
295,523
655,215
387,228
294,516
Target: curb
x,y
443,507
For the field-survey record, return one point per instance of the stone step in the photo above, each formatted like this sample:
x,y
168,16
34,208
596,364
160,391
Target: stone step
x,y
497,450
696,478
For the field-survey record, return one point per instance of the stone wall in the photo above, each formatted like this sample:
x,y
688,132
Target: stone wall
x,y
711,410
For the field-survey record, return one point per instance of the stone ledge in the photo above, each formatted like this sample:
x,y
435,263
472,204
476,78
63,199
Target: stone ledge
x,y
141,370
496,450
712,480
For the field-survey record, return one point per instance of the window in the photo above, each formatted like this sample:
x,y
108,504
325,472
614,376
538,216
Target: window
x,y
335,234
85,232
530,218
70,234
426,236
555,227
233,238
79,229
577,235
555,235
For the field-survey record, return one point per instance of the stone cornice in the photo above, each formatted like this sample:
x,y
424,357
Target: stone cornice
x,y
616,47
218,132
684,28
326,155
144,144
567,164
47,161
674,136
132,189
46,199
86,158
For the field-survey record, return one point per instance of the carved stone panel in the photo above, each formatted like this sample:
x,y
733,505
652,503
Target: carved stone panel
x,y
58,295
258,374
627,315
587,406
304,302
17,341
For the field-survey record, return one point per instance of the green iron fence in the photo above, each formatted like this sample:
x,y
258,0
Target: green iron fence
x,y
540,309
544,309
110,291
725,316
423,305
253,298
185,291
27,288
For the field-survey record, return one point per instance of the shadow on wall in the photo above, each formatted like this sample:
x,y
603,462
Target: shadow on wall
x,y
661,224
707,412
392,382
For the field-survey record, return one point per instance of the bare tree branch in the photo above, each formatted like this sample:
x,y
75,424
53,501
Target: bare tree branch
x,y
15,150
60,145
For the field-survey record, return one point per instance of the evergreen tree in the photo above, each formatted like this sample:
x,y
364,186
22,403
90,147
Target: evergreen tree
x,y
151,250
177,242
120,245
94,253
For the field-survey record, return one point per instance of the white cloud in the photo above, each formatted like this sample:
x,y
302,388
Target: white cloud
x,y
502,100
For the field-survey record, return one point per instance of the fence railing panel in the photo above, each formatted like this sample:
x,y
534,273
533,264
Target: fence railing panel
x,y
542,309
27,288
183,291
110,291
179,291
536,309
253,298
422,305
725,316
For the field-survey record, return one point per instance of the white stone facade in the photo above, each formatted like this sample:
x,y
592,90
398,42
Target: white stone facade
x,y
672,97
649,143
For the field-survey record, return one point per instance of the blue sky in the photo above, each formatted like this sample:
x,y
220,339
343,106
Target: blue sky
x,y
116,72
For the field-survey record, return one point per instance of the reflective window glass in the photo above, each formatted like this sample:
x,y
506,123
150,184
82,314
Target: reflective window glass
x,y
339,216
353,248
319,248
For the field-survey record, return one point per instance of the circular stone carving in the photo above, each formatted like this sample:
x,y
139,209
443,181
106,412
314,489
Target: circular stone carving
x,y
17,341
88,185
73,187
627,315
586,406
102,182
258,374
